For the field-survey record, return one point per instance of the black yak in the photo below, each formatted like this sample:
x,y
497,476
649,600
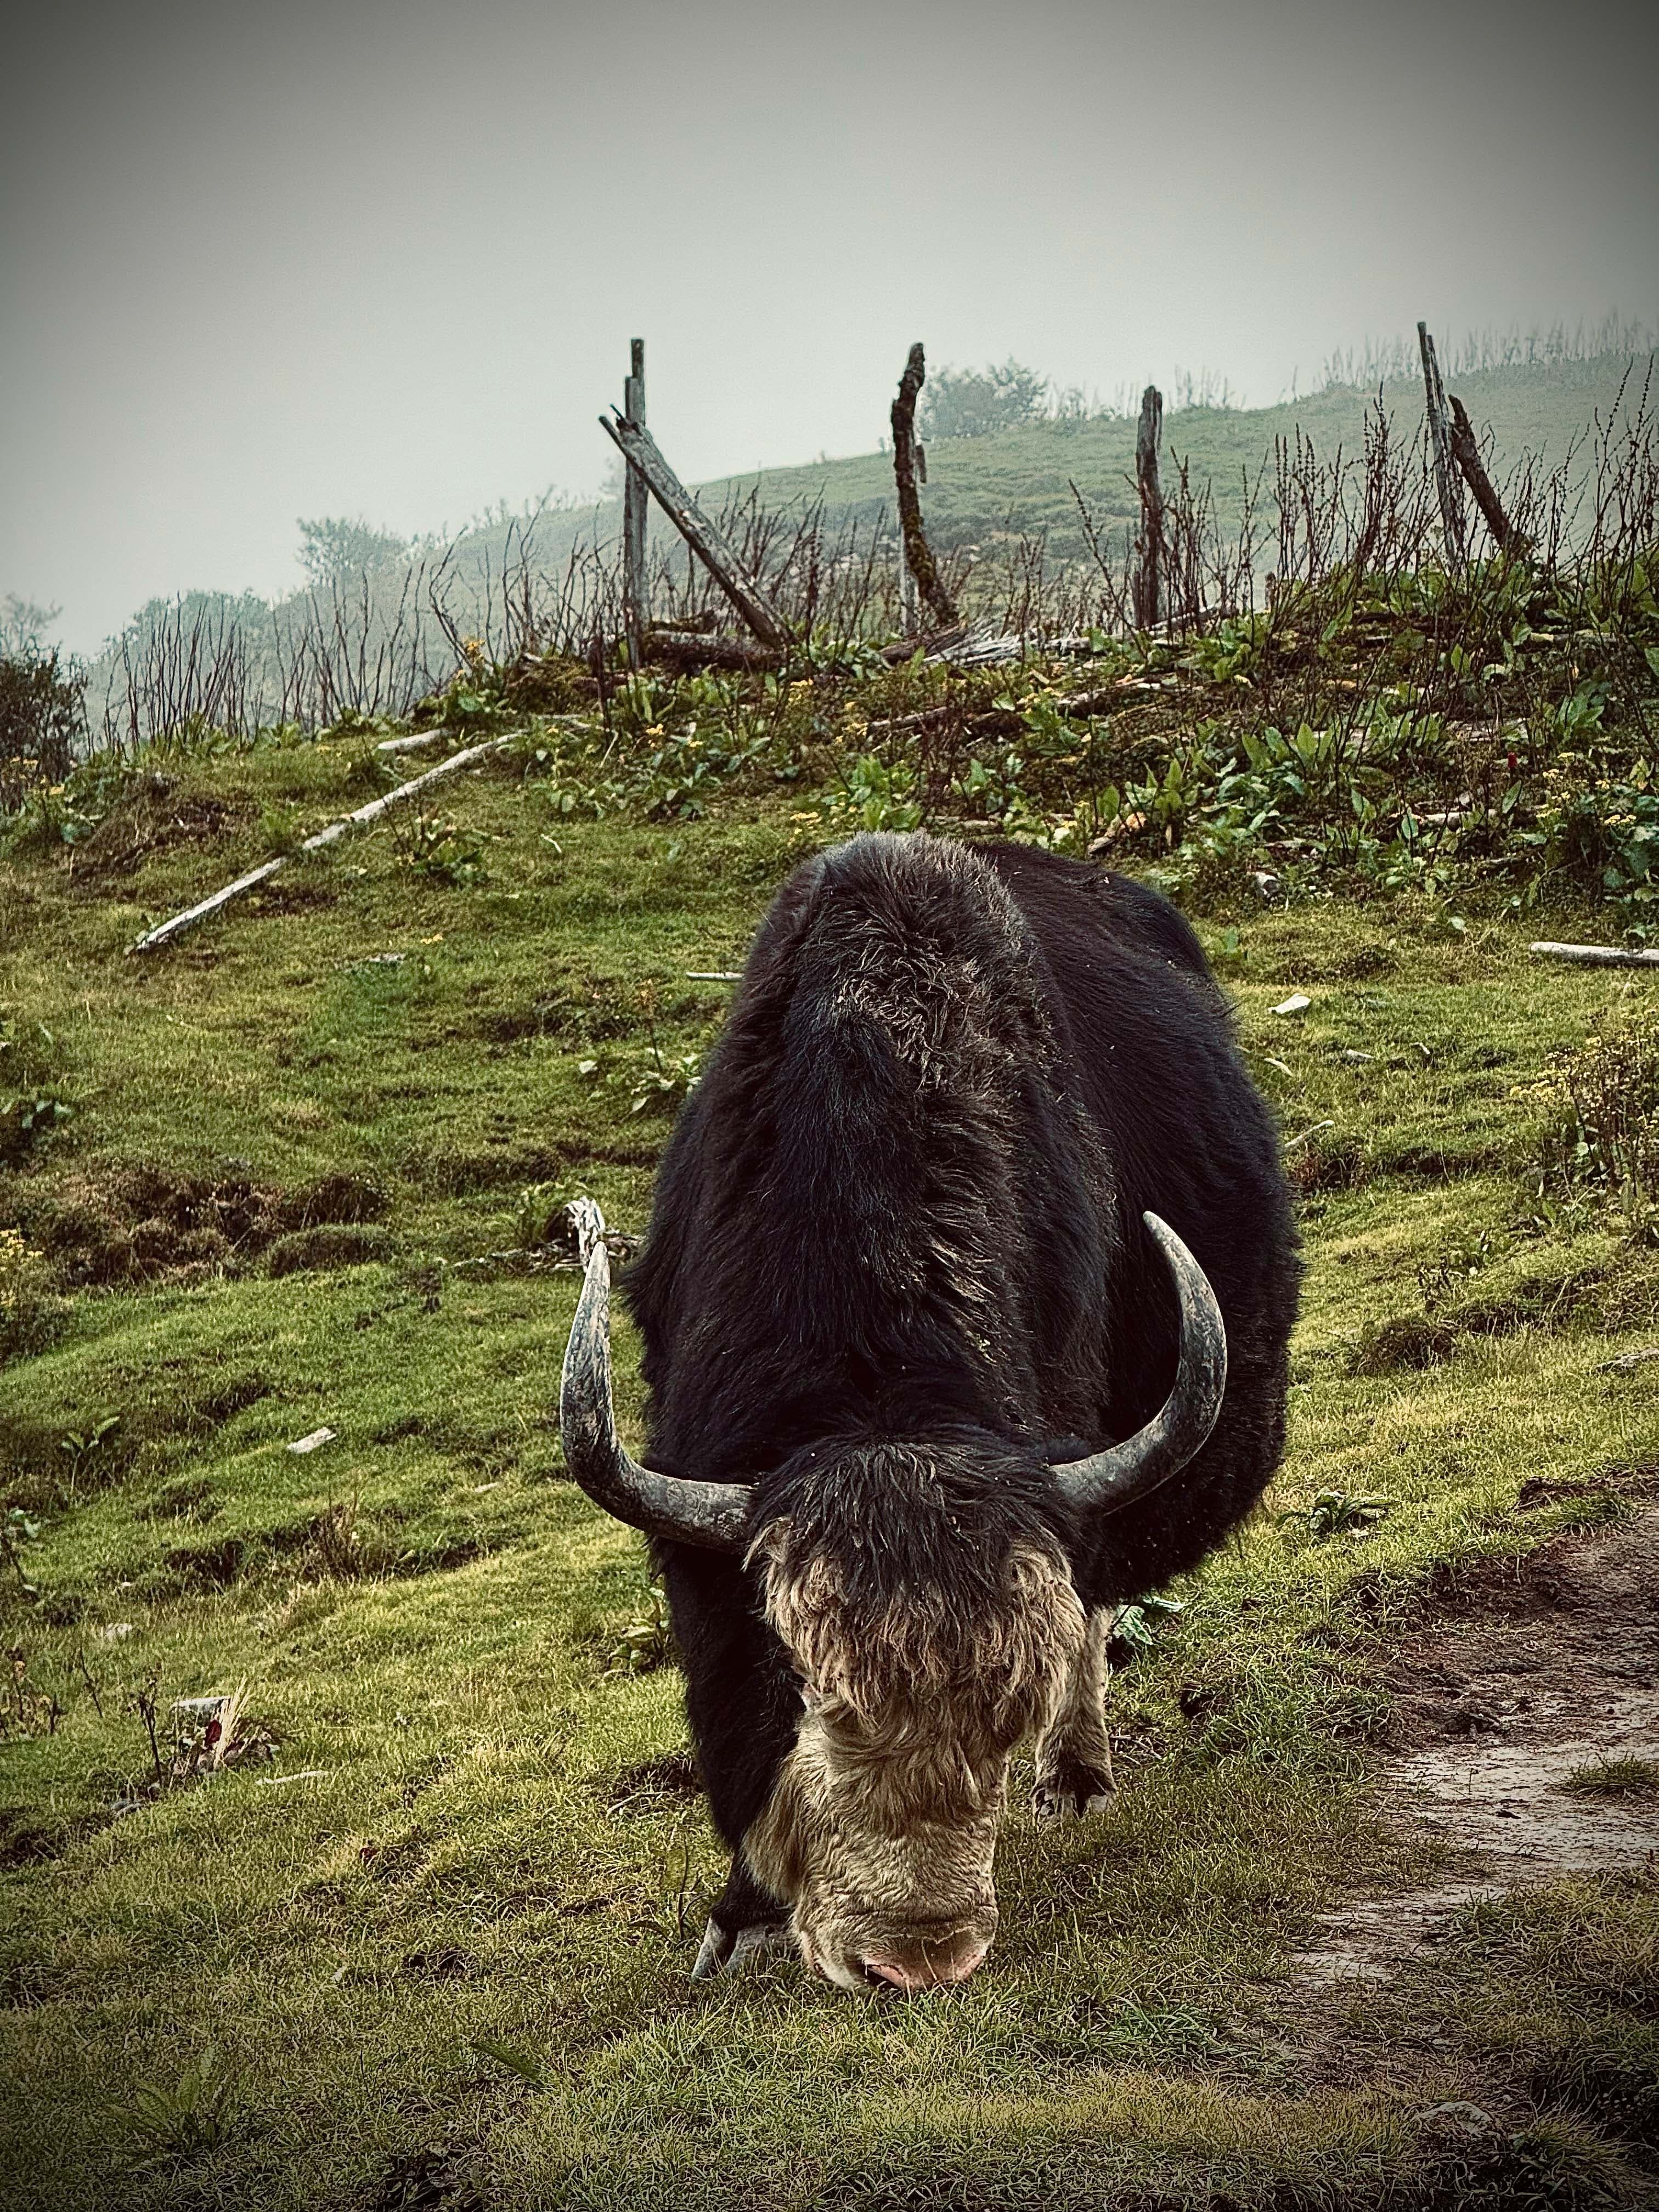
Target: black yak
x,y
965,1303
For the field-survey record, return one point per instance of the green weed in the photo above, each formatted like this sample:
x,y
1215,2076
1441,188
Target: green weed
x,y
1614,1778
195,2111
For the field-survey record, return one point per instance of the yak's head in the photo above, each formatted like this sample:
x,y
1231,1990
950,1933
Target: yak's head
x,y
930,1616
924,1599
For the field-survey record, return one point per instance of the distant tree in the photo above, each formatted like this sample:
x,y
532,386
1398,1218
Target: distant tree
x,y
42,711
970,403
338,549
24,627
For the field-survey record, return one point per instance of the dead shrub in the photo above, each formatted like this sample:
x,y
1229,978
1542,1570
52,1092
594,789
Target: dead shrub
x,y
342,1197
334,1244
1606,1134
30,1316
140,1222
1328,1160
1408,1343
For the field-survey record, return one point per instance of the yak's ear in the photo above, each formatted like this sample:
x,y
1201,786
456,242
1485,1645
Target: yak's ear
x,y
768,1543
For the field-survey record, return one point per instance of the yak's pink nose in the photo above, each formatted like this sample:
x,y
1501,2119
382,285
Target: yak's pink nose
x,y
932,1967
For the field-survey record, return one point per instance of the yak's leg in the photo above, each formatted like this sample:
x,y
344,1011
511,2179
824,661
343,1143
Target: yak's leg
x,y
1075,1758
746,1922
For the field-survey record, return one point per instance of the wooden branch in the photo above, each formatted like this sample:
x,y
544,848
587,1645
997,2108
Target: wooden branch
x,y
637,446
1083,703
636,502
1466,452
421,738
1627,1362
1445,478
918,554
1004,721
1148,594
164,932
1595,956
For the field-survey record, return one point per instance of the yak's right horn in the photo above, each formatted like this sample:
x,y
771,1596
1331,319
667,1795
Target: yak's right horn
x,y
713,1514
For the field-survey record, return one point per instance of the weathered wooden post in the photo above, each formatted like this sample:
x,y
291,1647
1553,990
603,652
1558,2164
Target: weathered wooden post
x,y
1446,479
908,464
907,591
637,610
1148,580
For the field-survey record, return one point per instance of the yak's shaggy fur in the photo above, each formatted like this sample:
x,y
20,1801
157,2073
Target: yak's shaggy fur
x,y
897,1268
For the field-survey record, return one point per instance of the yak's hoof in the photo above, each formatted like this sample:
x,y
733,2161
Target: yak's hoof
x,y
1071,1791
724,1950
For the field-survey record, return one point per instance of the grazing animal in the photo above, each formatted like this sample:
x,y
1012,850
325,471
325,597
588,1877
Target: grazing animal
x,y
965,1304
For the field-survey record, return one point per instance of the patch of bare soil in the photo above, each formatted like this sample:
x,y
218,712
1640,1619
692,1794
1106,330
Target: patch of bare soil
x,y
1525,1714
152,814
135,1221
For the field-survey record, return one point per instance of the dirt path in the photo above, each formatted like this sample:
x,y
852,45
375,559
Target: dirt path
x,y
1531,1673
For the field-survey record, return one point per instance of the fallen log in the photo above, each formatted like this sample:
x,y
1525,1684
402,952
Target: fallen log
x,y
1001,721
413,744
166,931
1595,956
690,649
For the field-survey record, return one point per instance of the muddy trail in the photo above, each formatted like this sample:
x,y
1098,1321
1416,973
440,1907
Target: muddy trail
x,y
1524,1736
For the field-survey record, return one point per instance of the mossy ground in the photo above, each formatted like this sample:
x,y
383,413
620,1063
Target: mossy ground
x,y
484,1852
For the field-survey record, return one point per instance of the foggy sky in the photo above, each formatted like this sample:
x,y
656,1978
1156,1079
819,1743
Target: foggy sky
x,y
384,257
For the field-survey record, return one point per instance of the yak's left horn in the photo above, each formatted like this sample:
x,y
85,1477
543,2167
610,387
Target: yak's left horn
x,y
713,1514
1123,1474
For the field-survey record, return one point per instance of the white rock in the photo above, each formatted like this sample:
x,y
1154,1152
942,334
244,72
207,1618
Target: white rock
x,y
314,1442
1298,1003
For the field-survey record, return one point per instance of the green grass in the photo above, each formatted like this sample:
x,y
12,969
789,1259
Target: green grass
x,y
281,1992
1614,1778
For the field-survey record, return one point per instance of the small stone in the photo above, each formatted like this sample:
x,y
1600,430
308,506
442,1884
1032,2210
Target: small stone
x,y
1298,1003
314,1442
113,1632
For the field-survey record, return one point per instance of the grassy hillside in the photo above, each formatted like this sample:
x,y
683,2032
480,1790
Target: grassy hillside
x,y
427,1943
1020,479
373,641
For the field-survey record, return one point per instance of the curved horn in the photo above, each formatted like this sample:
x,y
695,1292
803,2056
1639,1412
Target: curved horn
x,y
711,1514
1124,1473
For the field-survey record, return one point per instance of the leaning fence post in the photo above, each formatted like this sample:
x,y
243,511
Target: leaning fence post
x,y
1447,481
1466,452
635,591
1148,594
636,445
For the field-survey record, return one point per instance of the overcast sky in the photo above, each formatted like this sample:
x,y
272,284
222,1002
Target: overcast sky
x,y
379,256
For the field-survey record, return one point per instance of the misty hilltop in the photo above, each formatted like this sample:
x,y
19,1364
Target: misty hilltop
x,y
379,620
